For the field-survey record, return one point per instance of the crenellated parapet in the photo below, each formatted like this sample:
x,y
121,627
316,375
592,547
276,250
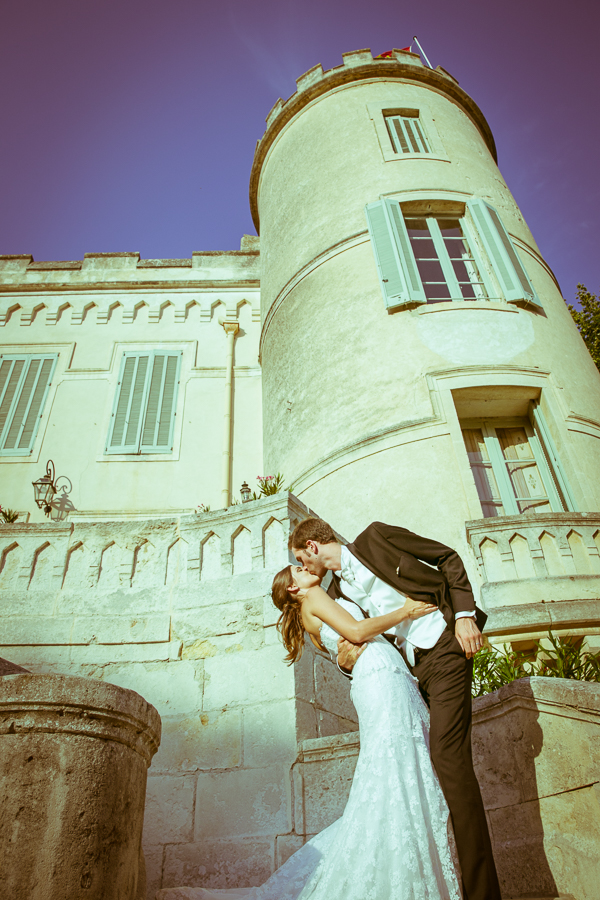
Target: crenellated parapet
x,y
359,65
105,284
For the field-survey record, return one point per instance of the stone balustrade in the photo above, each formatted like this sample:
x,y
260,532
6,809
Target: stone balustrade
x,y
121,554
539,572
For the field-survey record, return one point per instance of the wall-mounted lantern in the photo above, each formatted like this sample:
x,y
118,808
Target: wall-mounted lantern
x,y
245,492
46,487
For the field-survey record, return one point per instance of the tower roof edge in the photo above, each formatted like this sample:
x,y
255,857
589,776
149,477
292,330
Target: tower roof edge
x,y
359,65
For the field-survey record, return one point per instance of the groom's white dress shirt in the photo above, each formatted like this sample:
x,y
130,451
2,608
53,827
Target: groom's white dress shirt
x,y
378,598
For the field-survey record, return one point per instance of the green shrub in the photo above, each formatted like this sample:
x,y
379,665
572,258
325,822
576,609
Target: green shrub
x,y
9,515
563,659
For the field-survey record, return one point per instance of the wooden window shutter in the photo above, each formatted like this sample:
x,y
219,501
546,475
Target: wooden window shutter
x,y
11,371
157,435
24,384
126,420
503,255
144,409
551,453
396,265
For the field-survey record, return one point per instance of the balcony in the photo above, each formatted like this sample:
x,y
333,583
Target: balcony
x,y
539,572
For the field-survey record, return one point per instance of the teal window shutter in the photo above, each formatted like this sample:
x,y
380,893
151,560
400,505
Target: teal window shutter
x,y
126,420
11,372
143,415
406,134
503,255
556,466
400,281
157,436
24,384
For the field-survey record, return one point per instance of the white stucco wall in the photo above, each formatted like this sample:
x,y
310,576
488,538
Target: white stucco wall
x,y
90,313
351,393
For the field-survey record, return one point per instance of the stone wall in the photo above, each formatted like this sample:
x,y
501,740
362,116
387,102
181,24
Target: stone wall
x,y
536,745
178,610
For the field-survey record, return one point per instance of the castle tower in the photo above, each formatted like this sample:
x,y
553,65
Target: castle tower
x,y
419,362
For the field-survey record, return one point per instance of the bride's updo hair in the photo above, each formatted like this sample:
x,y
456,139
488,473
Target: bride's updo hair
x,y
289,623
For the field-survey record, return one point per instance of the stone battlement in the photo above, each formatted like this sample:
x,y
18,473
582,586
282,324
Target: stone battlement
x,y
109,270
359,65
352,60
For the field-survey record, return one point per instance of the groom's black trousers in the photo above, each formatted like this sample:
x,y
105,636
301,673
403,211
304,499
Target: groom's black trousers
x,y
445,676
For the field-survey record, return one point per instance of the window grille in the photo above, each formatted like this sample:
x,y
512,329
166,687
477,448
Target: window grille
x,y
445,260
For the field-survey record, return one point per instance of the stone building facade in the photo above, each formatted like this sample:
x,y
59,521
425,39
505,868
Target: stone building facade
x,y
395,345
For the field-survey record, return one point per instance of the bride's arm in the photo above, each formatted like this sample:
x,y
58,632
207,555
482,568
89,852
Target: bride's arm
x,y
317,604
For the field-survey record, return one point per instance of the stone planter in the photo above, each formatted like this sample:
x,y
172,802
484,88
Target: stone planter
x,y
74,754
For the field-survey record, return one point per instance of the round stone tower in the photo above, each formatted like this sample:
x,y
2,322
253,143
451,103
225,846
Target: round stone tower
x,y
419,362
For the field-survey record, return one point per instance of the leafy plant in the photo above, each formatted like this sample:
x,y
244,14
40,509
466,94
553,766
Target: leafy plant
x,y
568,660
203,508
9,515
270,484
493,667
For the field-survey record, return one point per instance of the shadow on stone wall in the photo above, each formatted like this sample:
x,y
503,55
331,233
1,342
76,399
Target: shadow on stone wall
x,y
536,745
507,741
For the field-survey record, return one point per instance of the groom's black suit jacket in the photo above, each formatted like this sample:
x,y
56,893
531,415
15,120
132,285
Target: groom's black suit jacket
x,y
399,557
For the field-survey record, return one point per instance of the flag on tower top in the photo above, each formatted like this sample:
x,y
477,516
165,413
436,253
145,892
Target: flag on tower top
x,y
388,53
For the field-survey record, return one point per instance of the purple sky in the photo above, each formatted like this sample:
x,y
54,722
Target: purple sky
x,y
131,124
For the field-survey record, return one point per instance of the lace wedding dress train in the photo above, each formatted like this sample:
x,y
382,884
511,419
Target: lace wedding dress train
x,y
393,840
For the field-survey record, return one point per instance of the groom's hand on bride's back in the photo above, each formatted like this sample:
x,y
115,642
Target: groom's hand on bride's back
x,y
348,653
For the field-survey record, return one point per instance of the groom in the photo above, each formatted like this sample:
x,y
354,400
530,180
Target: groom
x,y
383,566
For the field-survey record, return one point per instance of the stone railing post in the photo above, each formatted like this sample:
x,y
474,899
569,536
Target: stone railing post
x,y
74,754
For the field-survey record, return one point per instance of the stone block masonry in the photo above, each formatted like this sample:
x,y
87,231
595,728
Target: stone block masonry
x,y
179,611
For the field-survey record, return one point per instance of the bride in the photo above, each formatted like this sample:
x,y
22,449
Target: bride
x,y
393,840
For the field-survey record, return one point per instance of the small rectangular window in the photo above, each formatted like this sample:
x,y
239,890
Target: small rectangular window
x,y
407,134
24,383
144,410
510,468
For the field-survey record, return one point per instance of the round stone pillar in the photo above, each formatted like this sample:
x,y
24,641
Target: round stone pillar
x,y
74,755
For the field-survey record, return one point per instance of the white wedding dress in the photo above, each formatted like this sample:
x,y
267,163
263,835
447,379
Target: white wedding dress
x,y
393,840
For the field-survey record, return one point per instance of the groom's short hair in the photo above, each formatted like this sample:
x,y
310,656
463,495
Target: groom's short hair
x,y
311,529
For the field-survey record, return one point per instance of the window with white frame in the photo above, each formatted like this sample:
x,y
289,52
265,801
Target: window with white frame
x,y
515,472
433,257
24,383
143,416
445,260
407,133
